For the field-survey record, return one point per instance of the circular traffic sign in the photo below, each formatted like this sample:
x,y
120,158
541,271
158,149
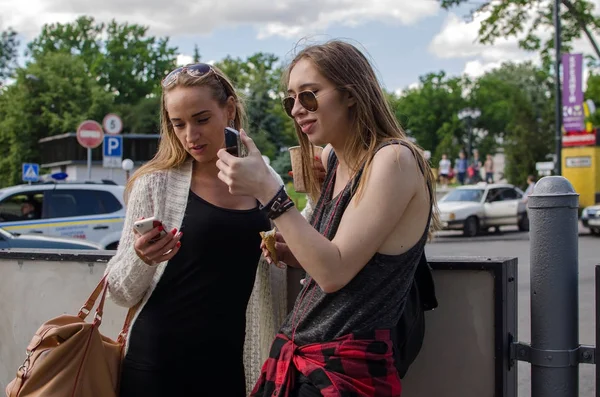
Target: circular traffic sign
x,y
90,134
112,124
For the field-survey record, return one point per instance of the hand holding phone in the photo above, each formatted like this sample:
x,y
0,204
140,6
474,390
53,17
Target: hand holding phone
x,y
143,226
234,144
159,246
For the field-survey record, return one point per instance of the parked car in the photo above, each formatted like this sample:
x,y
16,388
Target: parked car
x,y
475,208
30,241
590,218
93,211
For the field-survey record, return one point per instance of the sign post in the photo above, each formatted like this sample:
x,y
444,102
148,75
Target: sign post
x,y
112,123
90,136
113,145
112,151
30,172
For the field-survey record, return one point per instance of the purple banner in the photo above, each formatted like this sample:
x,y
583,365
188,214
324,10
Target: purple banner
x,y
572,93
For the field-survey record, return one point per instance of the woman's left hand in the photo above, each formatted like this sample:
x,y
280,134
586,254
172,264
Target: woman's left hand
x,y
248,176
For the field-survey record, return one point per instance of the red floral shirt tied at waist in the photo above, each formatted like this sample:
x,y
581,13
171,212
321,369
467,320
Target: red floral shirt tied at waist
x,y
353,365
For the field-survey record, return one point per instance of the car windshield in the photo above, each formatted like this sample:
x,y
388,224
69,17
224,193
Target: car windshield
x,y
473,195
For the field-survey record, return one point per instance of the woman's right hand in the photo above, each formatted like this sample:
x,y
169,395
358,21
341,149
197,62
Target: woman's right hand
x,y
284,255
163,249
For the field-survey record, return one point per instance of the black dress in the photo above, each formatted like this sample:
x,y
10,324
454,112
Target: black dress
x,y
188,339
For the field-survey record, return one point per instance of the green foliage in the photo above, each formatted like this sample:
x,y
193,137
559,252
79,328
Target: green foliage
x,y
428,113
8,53
142,117
124,60
517,106
50,97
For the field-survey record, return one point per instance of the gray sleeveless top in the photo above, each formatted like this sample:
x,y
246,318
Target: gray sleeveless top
x,y
373,299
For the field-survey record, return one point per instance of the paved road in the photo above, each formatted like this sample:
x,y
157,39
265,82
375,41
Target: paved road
x,y
513,243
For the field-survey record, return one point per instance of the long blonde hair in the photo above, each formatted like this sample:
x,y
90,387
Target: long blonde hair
x,y
372,119
170,153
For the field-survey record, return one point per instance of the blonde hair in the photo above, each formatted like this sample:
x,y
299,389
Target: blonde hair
x,y
170,153
372,119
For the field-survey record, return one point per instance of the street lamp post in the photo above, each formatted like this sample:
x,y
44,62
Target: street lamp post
x,y
558,99
470,115
127,166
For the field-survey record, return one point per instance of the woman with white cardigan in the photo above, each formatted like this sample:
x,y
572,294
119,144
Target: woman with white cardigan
x,y
194,284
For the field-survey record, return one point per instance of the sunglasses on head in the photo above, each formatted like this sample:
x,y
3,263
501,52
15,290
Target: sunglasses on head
x,y
194,70
307,99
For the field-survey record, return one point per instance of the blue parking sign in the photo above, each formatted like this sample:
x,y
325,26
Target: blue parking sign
x,y
113,146
30,172
112,151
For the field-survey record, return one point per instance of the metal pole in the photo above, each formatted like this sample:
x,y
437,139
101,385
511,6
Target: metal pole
x,y
89,163
553,236
470,148
597,328
559,119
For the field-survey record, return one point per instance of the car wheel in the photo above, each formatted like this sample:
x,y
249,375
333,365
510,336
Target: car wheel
x,y
524,223
595,231
471,228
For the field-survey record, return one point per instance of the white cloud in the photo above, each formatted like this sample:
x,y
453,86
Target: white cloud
x,y
412,86
285,18
183,59
458,39
478,68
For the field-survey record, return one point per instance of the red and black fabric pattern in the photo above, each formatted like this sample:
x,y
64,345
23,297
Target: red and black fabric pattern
x,y
351,366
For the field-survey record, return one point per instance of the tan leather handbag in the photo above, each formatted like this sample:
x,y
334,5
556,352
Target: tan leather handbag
x,y
68,357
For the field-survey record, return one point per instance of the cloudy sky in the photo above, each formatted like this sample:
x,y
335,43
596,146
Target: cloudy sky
x,y
404,38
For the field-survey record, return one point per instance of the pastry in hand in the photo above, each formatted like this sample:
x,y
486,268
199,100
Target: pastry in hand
x,y
269,240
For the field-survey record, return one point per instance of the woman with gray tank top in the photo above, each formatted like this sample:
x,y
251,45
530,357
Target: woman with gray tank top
x,y
364,239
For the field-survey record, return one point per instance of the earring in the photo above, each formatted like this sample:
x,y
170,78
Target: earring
x,y
231,124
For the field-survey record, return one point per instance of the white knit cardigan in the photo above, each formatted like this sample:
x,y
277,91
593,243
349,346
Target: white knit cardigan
x,y
164,195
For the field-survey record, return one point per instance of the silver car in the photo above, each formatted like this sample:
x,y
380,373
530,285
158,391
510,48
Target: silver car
x,y
26,241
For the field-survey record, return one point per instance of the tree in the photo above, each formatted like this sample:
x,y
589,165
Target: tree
x,y
143,117
197,56
593,92
8,53
505,18
429,113
517,109
125,61
49,97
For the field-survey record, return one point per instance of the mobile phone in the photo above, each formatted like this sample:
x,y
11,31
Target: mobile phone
x,y
233,143
145,225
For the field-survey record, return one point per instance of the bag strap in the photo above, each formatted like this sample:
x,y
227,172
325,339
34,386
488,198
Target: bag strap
x,y
85,310
89,304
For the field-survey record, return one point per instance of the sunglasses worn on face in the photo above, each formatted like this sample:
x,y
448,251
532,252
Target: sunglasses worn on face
x,y
307,99
194,70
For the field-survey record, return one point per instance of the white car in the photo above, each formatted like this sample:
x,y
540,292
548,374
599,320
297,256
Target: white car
x,y
93,211
590,217
476,208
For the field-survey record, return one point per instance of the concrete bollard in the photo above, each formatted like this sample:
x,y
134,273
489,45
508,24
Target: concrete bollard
x,y
554,252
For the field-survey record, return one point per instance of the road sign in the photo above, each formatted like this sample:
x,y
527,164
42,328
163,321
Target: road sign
x,y
112,153
90,134
112,124
31,172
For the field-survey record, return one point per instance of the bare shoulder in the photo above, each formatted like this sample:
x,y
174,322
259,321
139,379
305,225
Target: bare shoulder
x,y
396,159
325,155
